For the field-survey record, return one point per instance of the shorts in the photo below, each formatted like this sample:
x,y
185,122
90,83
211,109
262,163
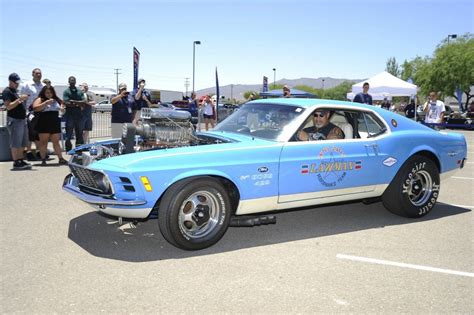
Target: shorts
x,y
48,122
208,116
87,123
116,129
18,130
32,119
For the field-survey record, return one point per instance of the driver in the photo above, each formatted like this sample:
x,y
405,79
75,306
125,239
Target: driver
x,y
322,128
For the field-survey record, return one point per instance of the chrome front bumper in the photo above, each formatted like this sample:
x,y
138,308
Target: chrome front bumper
x,y
70,185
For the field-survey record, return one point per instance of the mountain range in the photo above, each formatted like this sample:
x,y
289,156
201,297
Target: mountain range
x,y
237,90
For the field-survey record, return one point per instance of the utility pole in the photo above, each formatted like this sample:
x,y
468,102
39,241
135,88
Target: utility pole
x,y
232,92
116,76
186,85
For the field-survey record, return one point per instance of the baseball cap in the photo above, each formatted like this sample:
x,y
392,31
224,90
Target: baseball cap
x,y
14,77
122,86
141,79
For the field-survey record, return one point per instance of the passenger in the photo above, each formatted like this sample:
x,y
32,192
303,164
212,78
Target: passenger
x,y
322,129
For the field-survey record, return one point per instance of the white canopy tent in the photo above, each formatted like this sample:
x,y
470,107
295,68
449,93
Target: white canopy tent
x,y
384,85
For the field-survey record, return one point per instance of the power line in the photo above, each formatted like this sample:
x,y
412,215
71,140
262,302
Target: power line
x,y
117,74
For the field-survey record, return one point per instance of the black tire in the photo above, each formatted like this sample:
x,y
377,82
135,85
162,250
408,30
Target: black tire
x,y
194,213
414,190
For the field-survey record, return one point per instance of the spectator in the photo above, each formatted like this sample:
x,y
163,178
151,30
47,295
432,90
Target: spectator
x,y
74,101
32,89
322,129
16,121
434,109
123,107
410,109
286,91
47,107
208,112
87,112
47,82
364,97
386,104
142,98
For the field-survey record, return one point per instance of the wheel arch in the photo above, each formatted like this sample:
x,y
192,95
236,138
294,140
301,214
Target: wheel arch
x,y
430,155
228,184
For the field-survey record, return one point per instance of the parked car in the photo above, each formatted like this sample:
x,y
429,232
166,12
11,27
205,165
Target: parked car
x,y
102,107
253,162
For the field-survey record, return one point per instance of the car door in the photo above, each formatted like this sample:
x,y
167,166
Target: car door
x,y
319,169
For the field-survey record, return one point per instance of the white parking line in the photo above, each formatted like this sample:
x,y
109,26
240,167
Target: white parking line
x,y
458,177
463,206
403,265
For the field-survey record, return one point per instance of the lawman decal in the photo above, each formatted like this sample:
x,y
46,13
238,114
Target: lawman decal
x,y
331,167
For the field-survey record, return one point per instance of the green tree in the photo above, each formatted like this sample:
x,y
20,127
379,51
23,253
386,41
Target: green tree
x,y
452,67
392,66
338,92
248,95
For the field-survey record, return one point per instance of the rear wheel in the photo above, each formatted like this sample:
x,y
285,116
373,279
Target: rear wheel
x,y
415,189
194,214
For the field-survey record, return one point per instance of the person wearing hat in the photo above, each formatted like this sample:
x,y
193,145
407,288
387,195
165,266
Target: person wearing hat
x,y
322,129
74,100
286,91
16,121
142,97
123,109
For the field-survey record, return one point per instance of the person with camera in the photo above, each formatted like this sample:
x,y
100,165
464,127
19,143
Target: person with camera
x,y
16,121
47,107
142,98
286,91
75,101
434,109
123,110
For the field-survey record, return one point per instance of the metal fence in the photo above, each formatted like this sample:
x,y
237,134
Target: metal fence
x,y
100,124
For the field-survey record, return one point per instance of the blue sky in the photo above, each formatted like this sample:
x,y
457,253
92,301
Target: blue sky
x,y
244,39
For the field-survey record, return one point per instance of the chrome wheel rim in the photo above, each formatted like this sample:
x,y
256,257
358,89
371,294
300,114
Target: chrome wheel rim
x,y
420,188
199,214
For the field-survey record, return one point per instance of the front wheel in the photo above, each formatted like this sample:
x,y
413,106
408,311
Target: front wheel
x,y
195,213
415,189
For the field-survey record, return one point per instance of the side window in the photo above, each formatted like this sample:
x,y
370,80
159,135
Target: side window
x,y
369,126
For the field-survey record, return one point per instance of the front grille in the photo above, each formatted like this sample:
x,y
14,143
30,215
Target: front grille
x,y
89,179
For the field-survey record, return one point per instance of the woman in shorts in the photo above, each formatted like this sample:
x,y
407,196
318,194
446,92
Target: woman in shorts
x,y
48,105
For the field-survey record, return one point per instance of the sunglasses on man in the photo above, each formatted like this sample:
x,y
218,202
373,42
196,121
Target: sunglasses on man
x,y
320,114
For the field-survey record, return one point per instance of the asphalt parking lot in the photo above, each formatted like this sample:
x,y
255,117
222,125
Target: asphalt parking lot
x,y
59,255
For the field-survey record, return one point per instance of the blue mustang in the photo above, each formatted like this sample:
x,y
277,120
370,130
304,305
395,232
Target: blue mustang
x,y
255,161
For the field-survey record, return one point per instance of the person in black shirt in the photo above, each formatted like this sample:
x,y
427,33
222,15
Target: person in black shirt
x,y
16,121
123,110
364,97
410,110
322,129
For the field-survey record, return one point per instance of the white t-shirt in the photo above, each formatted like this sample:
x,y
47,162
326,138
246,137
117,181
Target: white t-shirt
x,y
32,89
208,109
434,113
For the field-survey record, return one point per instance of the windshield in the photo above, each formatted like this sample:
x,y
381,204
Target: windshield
x,y
265,121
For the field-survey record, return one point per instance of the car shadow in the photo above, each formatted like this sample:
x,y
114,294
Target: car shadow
x,y
102,236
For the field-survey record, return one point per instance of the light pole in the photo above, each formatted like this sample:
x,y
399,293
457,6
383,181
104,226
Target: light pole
x,y
453,36
274,75
196,42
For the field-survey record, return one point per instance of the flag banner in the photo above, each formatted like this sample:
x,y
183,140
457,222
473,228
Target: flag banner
x,y
265,84
136,61
217,96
